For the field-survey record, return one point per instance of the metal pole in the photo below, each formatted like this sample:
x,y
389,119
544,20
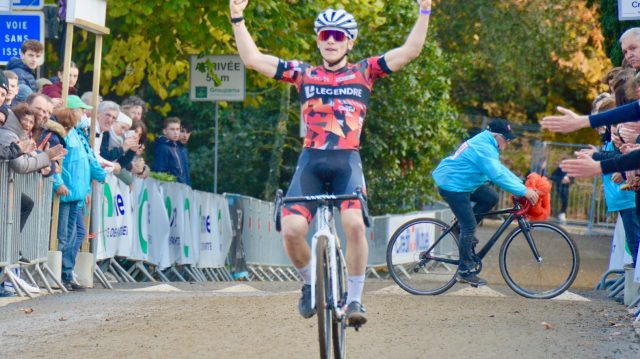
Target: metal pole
x,y
215,155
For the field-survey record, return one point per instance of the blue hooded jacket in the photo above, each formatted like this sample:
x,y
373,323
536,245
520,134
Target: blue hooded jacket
x,y
475,162
25,74
168,159
79,167
616,199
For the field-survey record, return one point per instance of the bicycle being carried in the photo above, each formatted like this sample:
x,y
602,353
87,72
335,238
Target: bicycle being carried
x,y
537,259
329,284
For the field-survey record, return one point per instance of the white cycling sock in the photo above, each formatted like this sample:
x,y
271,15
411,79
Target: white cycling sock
x,y
355,286
305,273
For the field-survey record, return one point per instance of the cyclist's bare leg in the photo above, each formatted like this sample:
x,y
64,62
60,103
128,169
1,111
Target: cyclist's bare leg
x,y
357,246
357,254
294,233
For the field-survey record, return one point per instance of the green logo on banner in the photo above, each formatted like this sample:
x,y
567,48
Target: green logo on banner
x,y
143,241
187,208
201,92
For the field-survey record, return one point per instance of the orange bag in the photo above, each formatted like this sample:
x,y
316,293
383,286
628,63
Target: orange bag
x,y
542,209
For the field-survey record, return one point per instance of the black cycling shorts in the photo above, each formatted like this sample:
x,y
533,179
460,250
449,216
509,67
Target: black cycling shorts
x,y
325,171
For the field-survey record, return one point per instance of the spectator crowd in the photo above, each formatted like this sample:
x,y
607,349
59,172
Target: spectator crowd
x,y
40,132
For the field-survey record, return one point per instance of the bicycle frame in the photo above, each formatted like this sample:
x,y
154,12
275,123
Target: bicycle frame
x,y
515,213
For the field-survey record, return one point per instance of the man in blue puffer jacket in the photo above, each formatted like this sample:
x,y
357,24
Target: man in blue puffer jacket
x,y
461,178
25,67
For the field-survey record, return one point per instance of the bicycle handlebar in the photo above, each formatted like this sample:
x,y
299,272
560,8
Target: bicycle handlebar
x,y
331,198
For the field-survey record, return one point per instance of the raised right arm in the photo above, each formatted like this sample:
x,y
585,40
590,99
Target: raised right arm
x,y
249,52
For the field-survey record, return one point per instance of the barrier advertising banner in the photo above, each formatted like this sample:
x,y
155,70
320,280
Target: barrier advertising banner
x,y
112,219
157,226
177,204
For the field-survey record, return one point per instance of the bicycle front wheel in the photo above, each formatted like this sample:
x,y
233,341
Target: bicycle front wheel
x,y
322,288
547,276
339,325
421,259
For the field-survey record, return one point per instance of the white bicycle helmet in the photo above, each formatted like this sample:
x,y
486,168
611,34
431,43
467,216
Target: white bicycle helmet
x,y
337,20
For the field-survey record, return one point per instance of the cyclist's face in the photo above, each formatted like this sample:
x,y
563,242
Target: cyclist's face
x,y
332,49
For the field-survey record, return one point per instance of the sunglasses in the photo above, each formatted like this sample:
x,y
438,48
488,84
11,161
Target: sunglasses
x,y
338,36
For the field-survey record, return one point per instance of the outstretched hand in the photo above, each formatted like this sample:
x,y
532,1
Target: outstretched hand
x,y
568,121
424,4
237,7
582,167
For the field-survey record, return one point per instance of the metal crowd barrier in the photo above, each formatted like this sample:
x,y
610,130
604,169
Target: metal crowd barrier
x,y
262,244
33,242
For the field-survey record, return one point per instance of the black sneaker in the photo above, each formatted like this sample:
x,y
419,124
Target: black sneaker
x,y
470,278
24,261
304,305
73,287
355,315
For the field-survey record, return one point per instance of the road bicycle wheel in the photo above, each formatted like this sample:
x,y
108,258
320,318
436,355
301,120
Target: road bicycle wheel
x,y
545,278
421,259
339,325
324,312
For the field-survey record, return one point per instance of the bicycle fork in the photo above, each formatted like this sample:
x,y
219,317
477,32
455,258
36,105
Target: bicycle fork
x,y
525,227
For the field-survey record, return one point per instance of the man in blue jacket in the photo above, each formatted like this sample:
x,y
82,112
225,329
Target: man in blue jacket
x,y
461,178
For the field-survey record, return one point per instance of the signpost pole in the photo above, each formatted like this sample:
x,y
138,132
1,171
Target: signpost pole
x,y
215,152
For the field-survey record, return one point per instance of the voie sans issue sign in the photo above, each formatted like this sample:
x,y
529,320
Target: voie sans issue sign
x,y
16,28
229,84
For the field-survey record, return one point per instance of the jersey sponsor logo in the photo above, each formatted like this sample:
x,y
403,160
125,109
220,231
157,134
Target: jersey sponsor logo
x,y
346,78
356,92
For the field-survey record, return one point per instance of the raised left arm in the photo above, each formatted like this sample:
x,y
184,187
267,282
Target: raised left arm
x,y
400,56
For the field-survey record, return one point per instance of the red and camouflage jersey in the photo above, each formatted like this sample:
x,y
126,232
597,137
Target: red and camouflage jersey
x,y
334,103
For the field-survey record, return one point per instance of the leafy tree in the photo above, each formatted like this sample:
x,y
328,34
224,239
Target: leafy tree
x,y
519,59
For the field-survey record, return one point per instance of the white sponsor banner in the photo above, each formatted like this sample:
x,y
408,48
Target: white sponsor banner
x,y
207,229
224,232
619,254
157,226
112,219
413,240
176,202
140,208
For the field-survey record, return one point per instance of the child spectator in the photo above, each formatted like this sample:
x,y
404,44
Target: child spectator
x,y
73,185
185,134
54,90
25,68
167,158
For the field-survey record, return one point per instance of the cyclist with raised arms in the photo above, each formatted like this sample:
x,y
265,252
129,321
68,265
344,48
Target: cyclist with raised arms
x,y
334,100
461,179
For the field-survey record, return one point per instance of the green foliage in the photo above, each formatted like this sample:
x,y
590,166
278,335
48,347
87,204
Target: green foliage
x,y
519,59
162,176
410,123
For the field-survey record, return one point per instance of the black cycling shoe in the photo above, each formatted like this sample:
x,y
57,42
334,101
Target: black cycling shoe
x,y
470,278
355,315
304,305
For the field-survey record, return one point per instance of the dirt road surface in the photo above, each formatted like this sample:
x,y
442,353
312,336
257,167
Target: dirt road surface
x,y
259,320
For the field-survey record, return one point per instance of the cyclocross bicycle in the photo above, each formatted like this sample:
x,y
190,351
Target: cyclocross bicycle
x,y
537,259
329,285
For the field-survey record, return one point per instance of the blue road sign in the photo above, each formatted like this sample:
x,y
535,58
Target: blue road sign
x,y
16,28
27,4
